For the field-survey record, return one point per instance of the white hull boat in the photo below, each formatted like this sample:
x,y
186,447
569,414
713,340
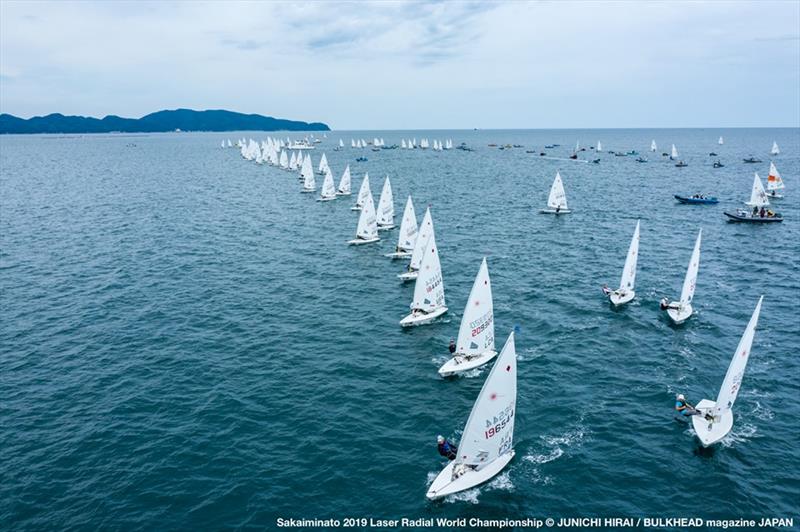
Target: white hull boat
x,y
618,298
461,363
422,318
399,255
408,276
680,314
557,201
359,241
554,211
709,432
444,485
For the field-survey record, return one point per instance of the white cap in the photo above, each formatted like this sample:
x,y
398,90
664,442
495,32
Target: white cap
x,y
680,397
440,438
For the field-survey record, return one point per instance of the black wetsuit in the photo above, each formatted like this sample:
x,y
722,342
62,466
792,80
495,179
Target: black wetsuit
x,y
447,450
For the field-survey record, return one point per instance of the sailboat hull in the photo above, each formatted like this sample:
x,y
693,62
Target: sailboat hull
x,y
308,190
408,276
553,211
399,255
618,299
422,319
326,198
355,208
359,241
679,315
444,485
459,364
711,433
342,193
385,227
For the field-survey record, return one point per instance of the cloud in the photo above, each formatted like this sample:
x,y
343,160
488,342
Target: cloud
x,y
409,64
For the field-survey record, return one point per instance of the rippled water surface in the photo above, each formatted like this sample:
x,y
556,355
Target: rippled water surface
x,y
187,342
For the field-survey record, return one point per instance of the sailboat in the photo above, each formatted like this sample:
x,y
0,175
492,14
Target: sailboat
x,y
230,145
487,443
681,311
758,200
717,419
674,154
428,303
557,201
328,191
720,141
222,145
367,230
408,233
475,344
386,207
775,150
323,165
341,144
284,160
363,192
403,143
653,145
425,231
344,183
625,292
774,182
307,173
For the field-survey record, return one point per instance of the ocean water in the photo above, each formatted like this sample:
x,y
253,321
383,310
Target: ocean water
x,y
186,341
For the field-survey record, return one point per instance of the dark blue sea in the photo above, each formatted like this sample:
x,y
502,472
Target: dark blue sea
x,y
187,343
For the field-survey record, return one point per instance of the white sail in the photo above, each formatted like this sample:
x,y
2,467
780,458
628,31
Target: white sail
x,y
408,228
229,143
489,432
293,161
328,189
577,146
307,172
367,223
352,143
758,197
629,271
774,181
222,145
557,198
386,205
599,147
284,159
323,164
403,143
653,146
364,191
429,287
733,378
476,333
690,281
775,150
674,152
425,231
344,182
720,141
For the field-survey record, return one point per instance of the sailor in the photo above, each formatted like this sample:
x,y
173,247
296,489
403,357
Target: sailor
x,y
452,346
684,407
606,289
446,449
664,303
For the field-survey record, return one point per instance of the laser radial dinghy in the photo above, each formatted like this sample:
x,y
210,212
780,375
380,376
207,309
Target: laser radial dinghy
x,y
328,191
717,420
386,207
682,310
428,303
774,182
367,230
363,192
408,233
557,201
475,344
625,292
307,173
425,231
487,444
344,183
775,150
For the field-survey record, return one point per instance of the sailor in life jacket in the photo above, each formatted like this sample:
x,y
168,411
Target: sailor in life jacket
x,y
446,449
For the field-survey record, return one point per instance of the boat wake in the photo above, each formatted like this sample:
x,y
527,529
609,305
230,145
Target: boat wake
x,y
501,482
743,434
556,446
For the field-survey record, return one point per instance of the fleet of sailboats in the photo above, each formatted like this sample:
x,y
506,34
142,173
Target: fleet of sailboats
x,y
486,445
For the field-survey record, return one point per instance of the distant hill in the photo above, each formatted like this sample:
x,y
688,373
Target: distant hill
x,y
160,121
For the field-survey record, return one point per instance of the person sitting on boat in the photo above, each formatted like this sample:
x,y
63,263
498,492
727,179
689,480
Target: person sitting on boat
x,y
684,407
452,346
763,212
446,449
755,211
606,290
665,303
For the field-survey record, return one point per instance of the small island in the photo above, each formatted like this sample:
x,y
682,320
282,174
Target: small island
x,y
158,122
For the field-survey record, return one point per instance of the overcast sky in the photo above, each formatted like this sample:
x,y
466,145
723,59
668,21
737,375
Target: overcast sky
x,y
398,65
